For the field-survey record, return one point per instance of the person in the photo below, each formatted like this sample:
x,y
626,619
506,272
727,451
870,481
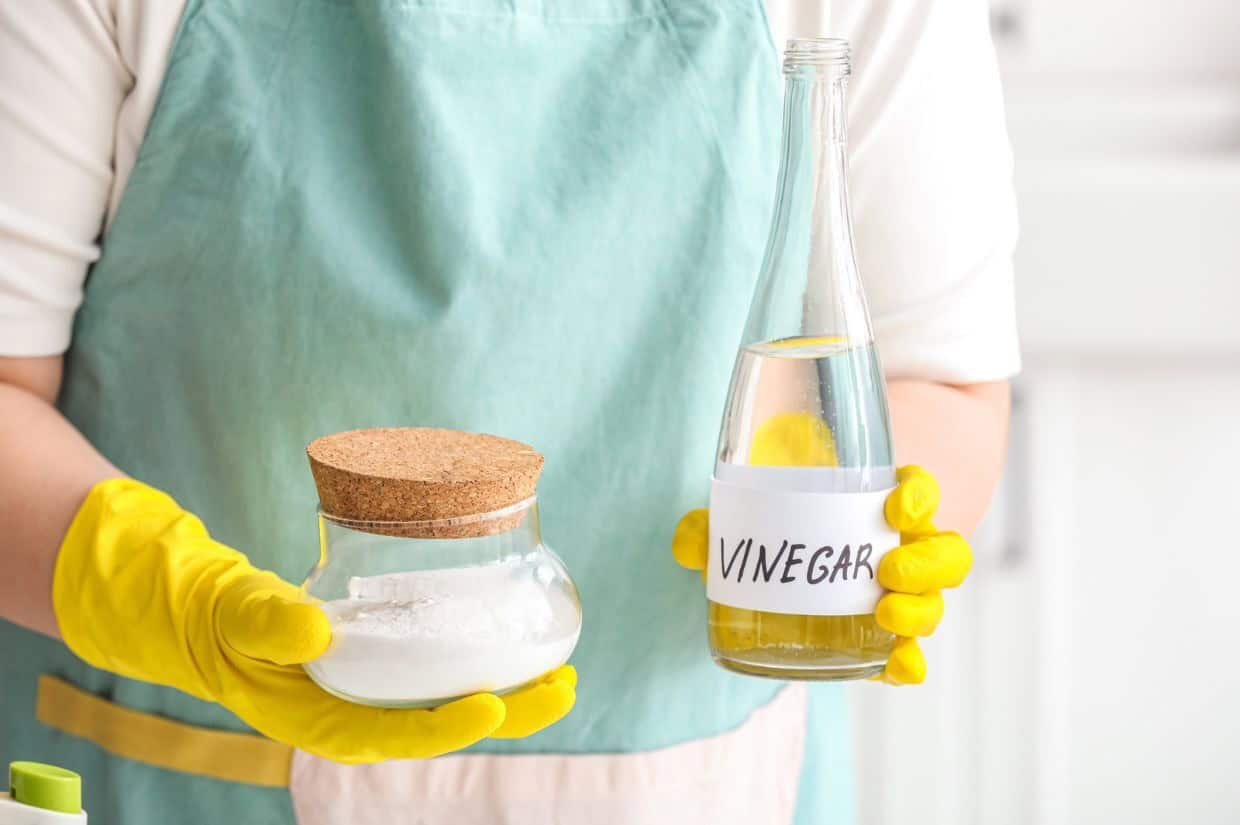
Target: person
x,y
229,227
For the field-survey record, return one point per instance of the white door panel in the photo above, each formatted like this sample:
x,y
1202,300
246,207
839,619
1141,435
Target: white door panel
x,y
1086,673
1152,676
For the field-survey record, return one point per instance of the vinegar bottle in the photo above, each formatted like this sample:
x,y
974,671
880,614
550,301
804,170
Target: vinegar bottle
x,y
805,454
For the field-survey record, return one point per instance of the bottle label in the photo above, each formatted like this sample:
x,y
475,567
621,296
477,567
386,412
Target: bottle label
x,y
811,554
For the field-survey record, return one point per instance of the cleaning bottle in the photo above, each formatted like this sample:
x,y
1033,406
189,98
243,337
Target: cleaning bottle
x,y
42,795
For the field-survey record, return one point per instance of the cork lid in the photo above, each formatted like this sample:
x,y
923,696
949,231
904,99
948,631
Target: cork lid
x,y
423,482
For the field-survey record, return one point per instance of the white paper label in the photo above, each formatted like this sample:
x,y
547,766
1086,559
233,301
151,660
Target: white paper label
x,y
813,554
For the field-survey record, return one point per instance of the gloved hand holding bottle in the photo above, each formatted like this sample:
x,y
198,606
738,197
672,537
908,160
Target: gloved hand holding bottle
x,y
141,589
807,505
926,562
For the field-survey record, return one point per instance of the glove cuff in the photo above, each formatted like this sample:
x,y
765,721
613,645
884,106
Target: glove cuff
x,y
123,580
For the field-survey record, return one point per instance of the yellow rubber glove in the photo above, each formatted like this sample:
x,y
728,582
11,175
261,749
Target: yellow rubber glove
x,y
142,590
926,562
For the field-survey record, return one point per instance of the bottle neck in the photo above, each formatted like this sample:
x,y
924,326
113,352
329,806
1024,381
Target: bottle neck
x,y
816,161
814,117
809,283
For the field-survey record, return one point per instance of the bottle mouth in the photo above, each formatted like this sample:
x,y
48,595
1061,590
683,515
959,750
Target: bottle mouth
x,y
816,54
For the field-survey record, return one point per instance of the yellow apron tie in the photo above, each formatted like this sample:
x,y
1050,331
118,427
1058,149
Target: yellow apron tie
x,y
164,743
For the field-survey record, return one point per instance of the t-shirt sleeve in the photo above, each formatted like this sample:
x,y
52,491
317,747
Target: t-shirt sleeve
x,y
930,177
62,81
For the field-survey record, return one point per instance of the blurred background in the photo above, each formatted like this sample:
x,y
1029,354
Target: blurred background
x,y
1089,671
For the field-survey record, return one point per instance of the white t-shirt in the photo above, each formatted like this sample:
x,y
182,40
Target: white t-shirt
x,y
929,164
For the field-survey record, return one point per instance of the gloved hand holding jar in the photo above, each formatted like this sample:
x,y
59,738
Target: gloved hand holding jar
x,y
141,589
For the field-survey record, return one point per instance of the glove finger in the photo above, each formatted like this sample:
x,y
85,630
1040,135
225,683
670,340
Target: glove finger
x,y
264,617
284,704
354,734
420,734
793,438
911,505
905,614
689,542
926,564
906,665
540,705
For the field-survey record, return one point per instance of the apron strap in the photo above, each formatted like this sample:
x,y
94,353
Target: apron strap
x,y
162,742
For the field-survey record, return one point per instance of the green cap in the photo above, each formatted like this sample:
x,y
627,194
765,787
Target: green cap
x,y
45,786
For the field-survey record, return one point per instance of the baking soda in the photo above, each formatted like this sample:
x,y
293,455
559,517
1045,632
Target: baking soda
x,y
428,636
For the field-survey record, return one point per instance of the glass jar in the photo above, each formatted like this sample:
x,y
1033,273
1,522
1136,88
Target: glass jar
x,y
424,612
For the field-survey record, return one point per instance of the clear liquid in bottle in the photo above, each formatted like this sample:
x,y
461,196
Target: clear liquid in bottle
x,y
803,392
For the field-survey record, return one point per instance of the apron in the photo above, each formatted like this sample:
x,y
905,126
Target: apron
x,y
535,218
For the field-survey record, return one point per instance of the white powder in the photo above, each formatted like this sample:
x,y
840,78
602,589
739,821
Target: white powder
x,y
420,637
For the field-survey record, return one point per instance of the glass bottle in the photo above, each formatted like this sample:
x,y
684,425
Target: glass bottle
x,y
805,452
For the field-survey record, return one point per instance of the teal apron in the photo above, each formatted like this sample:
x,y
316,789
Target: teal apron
x,y
537,218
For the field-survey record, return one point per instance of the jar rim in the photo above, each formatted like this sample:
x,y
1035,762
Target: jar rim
x,y
451,521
